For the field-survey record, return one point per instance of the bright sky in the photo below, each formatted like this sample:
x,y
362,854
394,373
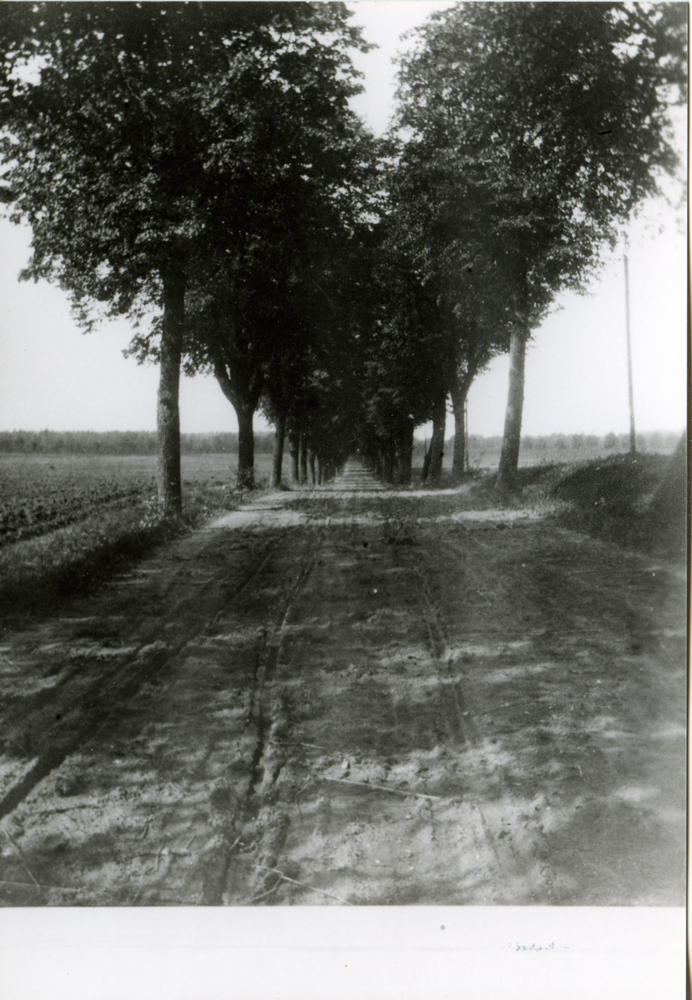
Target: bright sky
x,y
53,376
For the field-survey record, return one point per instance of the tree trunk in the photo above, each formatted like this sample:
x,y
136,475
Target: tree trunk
x,y
303,460
169,480
320,471
245,477
460,391
426,461
437,442
509,457
405,450
311,465
278,455
294,448
388,457
239,391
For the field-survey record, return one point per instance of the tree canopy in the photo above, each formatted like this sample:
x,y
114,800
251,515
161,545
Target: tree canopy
x,y
531,129
138,138
200,160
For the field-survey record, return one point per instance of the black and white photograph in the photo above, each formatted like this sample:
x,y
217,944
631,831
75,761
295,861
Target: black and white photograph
x,y
343,499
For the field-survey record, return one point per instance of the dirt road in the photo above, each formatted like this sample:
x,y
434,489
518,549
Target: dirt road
x,y
350,695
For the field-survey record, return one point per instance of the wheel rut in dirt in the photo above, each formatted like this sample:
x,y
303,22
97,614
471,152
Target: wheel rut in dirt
x,y
353,695
62,717
461,725
267,723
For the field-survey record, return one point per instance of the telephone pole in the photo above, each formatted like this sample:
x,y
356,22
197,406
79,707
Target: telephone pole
x,y
467,460
633,437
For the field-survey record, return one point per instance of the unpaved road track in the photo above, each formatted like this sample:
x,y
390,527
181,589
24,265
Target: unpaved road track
x,y
350,695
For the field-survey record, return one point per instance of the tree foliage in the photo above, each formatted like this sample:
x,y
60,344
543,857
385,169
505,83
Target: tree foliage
x,y
138,139
265,301
200,160
531,130
130,130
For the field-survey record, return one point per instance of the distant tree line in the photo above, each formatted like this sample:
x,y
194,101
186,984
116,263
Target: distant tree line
x,y
144,443
573,447
120,443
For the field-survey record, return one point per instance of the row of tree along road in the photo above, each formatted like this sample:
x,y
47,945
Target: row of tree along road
x,y
196,167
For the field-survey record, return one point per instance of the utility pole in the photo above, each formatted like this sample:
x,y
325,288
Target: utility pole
x,y
633,437
467,460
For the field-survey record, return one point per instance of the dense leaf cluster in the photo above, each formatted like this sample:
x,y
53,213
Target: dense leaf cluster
x,y
134,134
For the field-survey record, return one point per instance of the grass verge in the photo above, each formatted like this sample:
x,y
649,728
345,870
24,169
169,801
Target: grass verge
x,y
610,499
38,573
606,498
